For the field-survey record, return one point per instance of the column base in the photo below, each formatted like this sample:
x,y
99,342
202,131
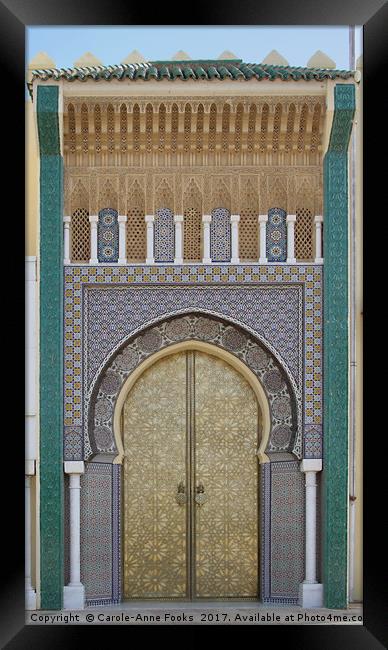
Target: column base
x,y
291,260
30,599
310,594
178,260
235,260
150,260
263,260
206,260
93,261
318,260
122,261
66,261
74,597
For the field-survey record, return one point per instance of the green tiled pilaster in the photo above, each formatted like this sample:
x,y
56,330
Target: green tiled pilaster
x,y
336,363
51,326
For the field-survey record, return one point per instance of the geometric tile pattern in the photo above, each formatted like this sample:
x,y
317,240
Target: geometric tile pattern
x,y
312,441
100,438
164,236
220,235
108,236
276,235
287,529
51,337
96,530
160,291
336,348
72,443
111,315
265,530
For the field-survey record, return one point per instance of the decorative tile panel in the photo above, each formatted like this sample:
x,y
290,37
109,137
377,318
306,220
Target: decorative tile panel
x,y
336,361
96,531
220,235
143,295
164,236
287,529
113,314
51,338
276,235
108,236
265,531
313,441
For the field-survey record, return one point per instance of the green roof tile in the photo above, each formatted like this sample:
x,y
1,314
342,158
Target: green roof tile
x,y
195,69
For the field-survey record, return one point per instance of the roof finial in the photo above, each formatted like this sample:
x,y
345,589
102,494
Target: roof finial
x,y
134,57
274,58
321,60
181,56
86,60
227,54
41,61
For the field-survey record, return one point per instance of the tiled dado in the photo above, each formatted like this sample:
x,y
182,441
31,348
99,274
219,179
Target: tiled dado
x,y
308,320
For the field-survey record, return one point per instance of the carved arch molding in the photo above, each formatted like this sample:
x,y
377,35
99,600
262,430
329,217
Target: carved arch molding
x,y
285,431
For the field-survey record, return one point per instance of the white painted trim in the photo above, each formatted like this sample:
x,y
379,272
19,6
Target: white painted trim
x,y
311,465
164,88
150,219
74,466
206,221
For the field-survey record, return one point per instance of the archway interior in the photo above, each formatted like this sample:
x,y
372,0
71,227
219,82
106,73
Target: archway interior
x,y
191,428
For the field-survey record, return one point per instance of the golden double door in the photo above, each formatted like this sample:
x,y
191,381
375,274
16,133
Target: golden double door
x,y
190,434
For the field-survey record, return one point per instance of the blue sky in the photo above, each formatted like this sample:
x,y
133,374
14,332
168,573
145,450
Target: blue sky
x,y
111,44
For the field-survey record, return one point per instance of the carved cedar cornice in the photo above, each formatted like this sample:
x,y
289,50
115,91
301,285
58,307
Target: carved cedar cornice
x,y
219,100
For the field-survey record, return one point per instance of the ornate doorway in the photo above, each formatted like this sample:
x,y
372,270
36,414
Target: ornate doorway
x,y
190,477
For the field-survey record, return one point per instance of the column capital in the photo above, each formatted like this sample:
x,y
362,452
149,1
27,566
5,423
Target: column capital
x,y
178,218
206,218
291,218
74,466
311,465
93,218
66,219
122,218
149,218
318,218
262,218
234,218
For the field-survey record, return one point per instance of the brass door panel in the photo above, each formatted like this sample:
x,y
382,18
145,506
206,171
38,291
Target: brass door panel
x,y
155,527
190,428
226,438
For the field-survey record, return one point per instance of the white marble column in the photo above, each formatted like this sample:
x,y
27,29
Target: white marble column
x,y
30,598
234,221
318,221
178,220
310,591
30,415
122,220
206,221
66,240
291,218
149,219
93,239
262,219
74,592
